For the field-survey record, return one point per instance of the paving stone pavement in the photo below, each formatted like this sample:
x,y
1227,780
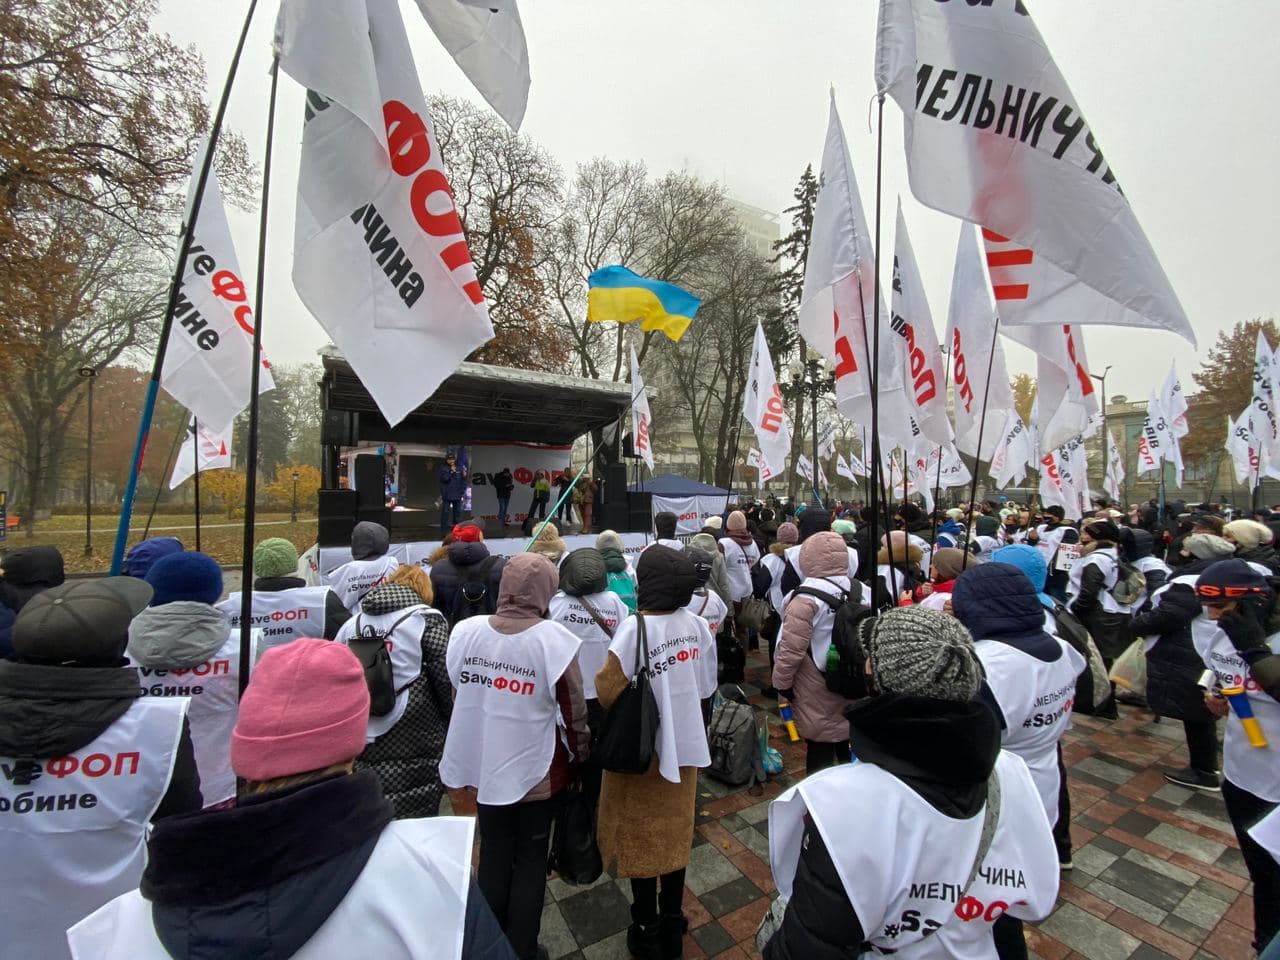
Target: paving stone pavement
x,y
1158,873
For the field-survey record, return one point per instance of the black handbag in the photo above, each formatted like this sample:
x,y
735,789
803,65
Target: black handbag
x,y
630,728
574,854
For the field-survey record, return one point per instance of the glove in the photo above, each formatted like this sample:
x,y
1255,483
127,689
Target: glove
x,y
1245,626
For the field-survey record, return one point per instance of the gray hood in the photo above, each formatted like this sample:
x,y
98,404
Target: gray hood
x,y
369,539
177,635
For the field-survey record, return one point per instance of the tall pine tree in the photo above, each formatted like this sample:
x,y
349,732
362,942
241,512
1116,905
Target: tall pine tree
x,y
1225,385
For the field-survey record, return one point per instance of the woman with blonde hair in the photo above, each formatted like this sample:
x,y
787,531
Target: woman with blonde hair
x,y
403,747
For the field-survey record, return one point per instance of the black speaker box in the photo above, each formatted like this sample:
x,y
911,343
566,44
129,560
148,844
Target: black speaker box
x,y
371,472
338,427
615,483
639,512
337,504
614,516
335,531
380,515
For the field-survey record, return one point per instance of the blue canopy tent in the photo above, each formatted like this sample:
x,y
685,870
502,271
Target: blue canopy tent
x,y
689,500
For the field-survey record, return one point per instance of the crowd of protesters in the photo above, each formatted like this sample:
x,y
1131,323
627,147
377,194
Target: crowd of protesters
x,y
157,812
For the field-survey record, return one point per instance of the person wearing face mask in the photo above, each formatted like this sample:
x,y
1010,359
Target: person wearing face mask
x,y
1237,639
517,732
1089,589
932,835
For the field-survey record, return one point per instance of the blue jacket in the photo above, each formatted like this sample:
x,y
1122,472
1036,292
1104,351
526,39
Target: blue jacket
x,y
453,483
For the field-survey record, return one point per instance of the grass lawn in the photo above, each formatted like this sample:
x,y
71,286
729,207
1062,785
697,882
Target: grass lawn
x,y
220,537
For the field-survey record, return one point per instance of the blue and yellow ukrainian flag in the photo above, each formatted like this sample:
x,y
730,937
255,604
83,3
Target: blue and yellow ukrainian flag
x,y
616,293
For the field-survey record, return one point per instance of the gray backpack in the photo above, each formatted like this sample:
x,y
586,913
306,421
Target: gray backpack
x,y
734,744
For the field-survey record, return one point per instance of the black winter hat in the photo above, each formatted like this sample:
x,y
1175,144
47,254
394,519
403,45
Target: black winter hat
x,y
1230,580
665,579
85,622
702,564
1103,530
814,520
584,572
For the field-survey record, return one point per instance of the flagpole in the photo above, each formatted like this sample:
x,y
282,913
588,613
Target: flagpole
x,y
153,386
937,484
982,424
168,464
195,421
733,462
251,455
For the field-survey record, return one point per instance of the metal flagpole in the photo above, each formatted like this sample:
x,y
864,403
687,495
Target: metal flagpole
x,y
251,467
168,465
877,485
982,424
195,446
153,386
937,484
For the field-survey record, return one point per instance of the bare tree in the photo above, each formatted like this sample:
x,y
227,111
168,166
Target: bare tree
x,y
109,303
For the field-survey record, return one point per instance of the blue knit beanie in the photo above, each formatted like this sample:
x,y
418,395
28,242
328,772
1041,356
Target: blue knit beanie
x,y
185,576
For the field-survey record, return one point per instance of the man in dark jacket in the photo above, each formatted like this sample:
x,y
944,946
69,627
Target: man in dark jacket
x,y
468,564
68,690
453,487
1173,665
503,485
25,572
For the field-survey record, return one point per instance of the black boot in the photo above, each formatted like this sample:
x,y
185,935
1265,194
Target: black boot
x,y
642,938
673,929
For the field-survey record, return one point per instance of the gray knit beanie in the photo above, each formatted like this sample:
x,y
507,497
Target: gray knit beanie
x,y
923,653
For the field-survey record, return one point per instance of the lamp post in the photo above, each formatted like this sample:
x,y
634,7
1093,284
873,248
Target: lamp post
x,y
1106,462
812,379
293,517
90,374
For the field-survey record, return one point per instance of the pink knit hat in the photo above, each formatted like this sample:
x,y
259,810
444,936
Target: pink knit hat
x,y
788,533
306,708
737,522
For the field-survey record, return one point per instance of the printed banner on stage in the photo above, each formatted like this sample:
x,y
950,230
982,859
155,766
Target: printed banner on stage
x,y
524,460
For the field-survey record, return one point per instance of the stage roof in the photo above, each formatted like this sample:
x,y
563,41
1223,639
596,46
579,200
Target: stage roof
x,y
482,402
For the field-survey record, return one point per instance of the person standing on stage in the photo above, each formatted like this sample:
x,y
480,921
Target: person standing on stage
x,y
453,487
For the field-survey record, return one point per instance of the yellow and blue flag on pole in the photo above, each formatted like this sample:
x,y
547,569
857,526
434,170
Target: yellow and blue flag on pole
x,y
616,293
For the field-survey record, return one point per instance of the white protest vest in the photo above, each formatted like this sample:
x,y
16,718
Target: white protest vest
x,y
894,579
903,864
775,565
502,734
353,580
1049,541
73,828
824,617
738,561
1267,832
679,644
214,691
926,550
1256,769
663,542
573,616
1036,699
281,616
1105,560
708,605
405,647
409,902
1149,565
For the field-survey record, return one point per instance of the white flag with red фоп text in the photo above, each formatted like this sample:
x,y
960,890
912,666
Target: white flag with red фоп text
x,y
971,325
994,136
641,421
379,255
1115,468
1070,401
209,449
924,377
208,359
838,301
764,473
1155,441
763,406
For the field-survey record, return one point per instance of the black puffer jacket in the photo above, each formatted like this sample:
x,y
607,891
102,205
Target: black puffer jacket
x,y
463,563
1173,666
406,759
944,751
258,880
1265,555
48,711
335,612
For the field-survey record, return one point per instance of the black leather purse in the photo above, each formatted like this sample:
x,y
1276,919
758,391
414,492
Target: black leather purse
x,y
630,727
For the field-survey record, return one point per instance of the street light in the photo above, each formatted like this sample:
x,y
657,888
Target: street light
x,y
294,513
1106,463
810,377
90,374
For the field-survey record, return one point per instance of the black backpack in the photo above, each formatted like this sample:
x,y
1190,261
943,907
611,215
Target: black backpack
x,y
845,669
473,597
370,647
1093,686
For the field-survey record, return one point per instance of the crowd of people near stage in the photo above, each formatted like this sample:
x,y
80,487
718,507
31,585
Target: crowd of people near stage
x,y
156,811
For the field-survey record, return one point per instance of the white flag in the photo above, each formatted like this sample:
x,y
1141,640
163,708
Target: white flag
x,y
486,39
994,136
1069,401
1015,450
212,447
970,329
209,354
763,406
804,468
1063,478
1262,409
764,472
1155,442
1115,467
641,423
844,469
1175,403
827,439
912,321
838,300
379,254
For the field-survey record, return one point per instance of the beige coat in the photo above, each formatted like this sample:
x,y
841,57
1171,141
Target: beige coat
x,y
645,824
